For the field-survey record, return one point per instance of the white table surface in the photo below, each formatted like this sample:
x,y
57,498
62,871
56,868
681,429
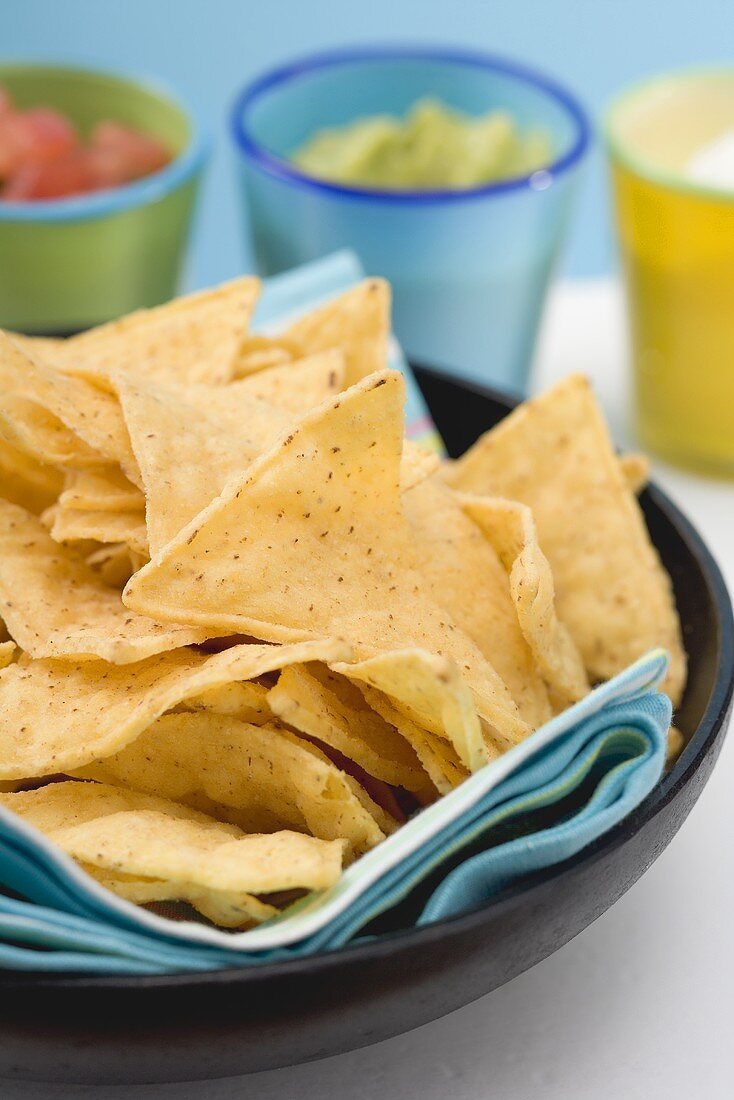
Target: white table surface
x,y
640,1005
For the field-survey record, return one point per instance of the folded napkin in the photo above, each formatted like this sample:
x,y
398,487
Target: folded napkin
x,y
556,792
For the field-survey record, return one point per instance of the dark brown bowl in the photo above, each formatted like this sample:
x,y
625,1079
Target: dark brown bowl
x,y
231,1022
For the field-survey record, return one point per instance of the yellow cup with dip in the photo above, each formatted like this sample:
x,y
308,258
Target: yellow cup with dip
x,y
671,145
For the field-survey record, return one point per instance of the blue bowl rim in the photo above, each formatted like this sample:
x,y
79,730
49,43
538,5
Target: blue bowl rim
x,y
115,200
288,173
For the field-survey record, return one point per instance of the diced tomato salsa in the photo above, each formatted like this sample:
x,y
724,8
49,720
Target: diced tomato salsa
x,y
42,156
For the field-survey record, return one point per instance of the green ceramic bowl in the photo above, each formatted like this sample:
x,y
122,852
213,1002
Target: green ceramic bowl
x,y
70,263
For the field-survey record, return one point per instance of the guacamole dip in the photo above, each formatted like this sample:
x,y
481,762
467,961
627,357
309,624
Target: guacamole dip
x,y
433,147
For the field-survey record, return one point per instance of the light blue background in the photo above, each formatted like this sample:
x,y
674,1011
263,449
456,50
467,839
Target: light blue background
x,y
208,48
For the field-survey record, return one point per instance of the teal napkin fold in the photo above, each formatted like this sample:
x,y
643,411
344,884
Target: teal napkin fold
x,y
558,791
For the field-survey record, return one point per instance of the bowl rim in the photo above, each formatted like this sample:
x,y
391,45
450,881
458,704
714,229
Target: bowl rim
x,y
114,200
710,729
539,180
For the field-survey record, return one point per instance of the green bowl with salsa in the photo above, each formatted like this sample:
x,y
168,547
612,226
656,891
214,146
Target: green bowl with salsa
x,y
69,263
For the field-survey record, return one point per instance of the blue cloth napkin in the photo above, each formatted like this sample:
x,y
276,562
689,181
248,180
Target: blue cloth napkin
x,y
583,772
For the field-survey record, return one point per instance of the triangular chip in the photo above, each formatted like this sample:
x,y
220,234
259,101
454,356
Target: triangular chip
x,y
358,322
8,651
25,481
76,525
260,779
430,691
190,442
89,413
114,564
229,910
305,698
195,338
55,606
436,754
246,700
299,386
636,471
260,353
105,490
128,833
313,542
33,429
555,455
465,575
56,716
510,528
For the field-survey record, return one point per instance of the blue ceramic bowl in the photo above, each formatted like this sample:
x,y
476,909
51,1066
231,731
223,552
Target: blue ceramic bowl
x,y
469,268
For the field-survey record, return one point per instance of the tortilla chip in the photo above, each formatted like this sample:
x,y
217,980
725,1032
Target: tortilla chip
x,y
54,605
510,528
437,755
297,387
92,415
430,691
259,778
358,322
305,699
636,471
192,339
25,481
189,443
128,833
261,353
554,454
32,429
105,490
229,910
114,564
74,525
56,716
8,651
247,701
312,542
465,575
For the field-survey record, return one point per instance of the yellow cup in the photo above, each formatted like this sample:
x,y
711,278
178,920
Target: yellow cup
x,y
675,213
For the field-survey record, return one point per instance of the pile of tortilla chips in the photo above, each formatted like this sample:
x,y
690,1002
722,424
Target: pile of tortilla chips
x,y
246,629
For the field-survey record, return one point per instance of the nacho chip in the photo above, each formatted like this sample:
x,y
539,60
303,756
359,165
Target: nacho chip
x,y
464,575
358,322
430,691
25,481
297,387
313,542
56,716
192,339
35,431
228,910
105,490
554,454
114,564
261,353
8,651
305,698
510,528
246,700
54,605
128,833
190,442
92,415
436,754
75,525
260,778
636,471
